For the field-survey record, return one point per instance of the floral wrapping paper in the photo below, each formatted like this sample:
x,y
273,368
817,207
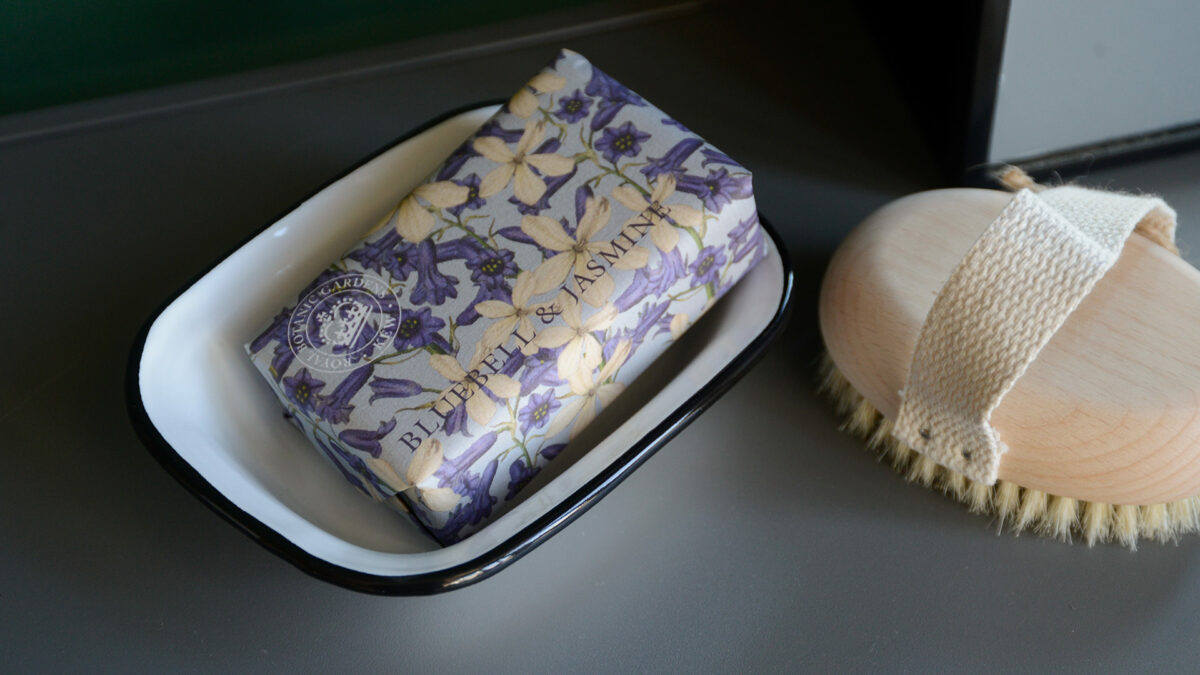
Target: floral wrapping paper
x,y
442,361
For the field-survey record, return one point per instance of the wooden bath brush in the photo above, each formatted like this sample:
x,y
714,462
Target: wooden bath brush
x,y
1035,355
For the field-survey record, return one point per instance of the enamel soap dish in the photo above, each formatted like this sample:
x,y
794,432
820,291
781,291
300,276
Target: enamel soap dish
x,y
205,414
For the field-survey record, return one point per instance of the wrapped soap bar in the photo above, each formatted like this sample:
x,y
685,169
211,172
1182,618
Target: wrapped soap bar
x,y
443,360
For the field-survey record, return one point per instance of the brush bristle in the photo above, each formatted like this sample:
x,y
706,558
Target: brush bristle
x,y
1014,507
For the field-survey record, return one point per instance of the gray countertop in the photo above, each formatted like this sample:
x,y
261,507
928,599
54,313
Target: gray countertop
x,y
760,537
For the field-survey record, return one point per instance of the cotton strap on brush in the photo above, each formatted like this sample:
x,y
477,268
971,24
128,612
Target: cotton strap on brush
x,y
1016,286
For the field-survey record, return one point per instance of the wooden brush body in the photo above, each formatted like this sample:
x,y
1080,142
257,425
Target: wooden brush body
x,y
1110,409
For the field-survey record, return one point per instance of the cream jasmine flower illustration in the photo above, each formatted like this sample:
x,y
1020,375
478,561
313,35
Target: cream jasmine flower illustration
x,y
575,252
524,103
425,461
509,315
665,236
414,221
475,389
588,391
581,349
516,166
679,324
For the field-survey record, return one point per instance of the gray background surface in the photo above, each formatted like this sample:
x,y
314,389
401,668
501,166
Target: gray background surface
x,y
761,537
1079,72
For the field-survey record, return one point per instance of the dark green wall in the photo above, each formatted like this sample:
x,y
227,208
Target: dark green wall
x,y
57,51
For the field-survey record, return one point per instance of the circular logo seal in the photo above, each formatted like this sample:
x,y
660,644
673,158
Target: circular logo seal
x,y
343,321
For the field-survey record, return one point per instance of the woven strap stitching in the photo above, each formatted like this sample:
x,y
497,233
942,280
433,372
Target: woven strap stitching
x,y
1012,291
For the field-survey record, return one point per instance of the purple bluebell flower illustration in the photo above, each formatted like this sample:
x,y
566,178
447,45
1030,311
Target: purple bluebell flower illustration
x,y
337,458
648,318
738,235
707,267
653,281
402,260
360,467
538,410
452,467
456,421
637,291
489,267
389,305
474,201
519,476
457,249
747,237
717,189
492,128
551,451
336,407
672,122
582,194
664,322
417,328
513,365
276,332
302,389
368,441
672,162
548,145
377,255
573,108
356,466
714,156
624,141
281,360
486,292
610,347
388,387
515,233
325,275
432,286
466,151
454,163
614,96
540,369
477,488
